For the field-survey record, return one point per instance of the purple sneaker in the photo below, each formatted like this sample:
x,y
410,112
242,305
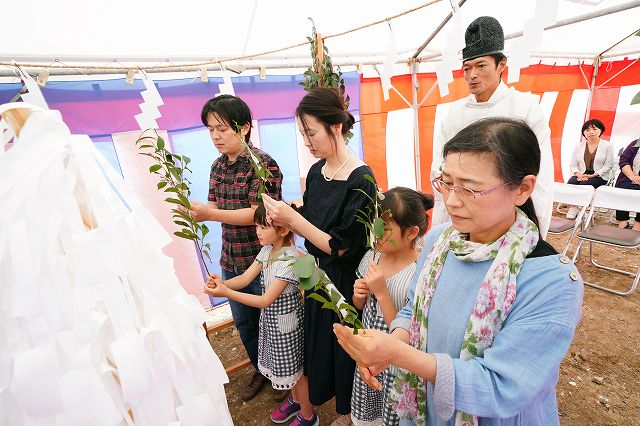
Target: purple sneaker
x,y
285,411
301,421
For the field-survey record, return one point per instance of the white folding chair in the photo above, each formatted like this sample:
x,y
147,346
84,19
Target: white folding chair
x,y
575,195
618,199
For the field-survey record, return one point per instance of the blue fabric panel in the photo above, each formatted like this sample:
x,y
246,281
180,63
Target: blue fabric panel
x,y
278,139
108,150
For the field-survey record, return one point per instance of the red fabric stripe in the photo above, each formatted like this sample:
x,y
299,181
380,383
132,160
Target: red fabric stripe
x,y
426,117
628,77
603,107
374,136
556,123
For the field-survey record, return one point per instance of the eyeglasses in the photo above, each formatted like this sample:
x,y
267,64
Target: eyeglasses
x,y
465,193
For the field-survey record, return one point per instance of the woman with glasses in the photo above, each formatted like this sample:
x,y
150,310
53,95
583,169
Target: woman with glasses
x,y
493,307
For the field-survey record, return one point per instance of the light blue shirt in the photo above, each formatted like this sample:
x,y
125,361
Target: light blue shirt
x,y
514,382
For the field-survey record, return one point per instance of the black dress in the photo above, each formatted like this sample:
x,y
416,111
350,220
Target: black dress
x,y
331,206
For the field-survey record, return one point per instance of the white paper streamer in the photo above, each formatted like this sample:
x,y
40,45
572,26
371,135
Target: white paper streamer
x,y
34,94
152,100
388,65
545,14
450,59
226,88
97,329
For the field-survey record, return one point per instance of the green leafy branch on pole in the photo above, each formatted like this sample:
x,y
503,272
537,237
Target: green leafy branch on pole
x,y
170,168
260,169
321,73
313,279
372,217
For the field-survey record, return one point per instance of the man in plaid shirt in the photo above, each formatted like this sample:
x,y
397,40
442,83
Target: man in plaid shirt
x,y
233,197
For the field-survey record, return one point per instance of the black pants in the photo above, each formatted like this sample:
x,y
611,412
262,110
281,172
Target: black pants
x,y
594,181
621,214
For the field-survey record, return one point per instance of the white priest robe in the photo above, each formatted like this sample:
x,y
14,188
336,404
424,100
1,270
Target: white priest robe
x,y
505,102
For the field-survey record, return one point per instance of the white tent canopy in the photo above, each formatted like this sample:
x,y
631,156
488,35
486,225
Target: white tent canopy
x,y
125,34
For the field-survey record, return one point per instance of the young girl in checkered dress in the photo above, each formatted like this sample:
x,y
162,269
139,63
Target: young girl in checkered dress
x,y
383,288
280,343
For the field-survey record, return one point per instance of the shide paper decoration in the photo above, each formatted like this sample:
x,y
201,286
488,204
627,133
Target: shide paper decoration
x,y
96,327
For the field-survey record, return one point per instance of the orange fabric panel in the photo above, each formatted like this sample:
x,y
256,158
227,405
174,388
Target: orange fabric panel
x,y
372,100
135,168
549,78
374,141
603,107
426,118
458,89
556,123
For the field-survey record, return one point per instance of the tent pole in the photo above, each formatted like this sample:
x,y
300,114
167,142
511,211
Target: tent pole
x,y
416,128
592,88
614,45
435,32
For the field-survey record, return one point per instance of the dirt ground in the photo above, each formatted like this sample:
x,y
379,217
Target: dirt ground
x,y
599,378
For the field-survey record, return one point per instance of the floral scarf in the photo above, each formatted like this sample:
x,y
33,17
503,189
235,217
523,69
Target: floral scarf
x,y
493,303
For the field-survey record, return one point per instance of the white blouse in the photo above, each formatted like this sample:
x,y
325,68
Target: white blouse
x,y
603,163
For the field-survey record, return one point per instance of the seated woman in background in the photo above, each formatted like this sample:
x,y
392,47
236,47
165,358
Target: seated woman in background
x,y
493,308
629,179
592,162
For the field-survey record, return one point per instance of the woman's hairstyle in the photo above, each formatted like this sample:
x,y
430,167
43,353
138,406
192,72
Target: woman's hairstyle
x,y
231,109
513,145
595,123
408,208
260,218
327,106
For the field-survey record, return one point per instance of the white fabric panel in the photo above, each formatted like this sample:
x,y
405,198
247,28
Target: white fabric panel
x,y
442,110
575,195
571,132
401,170
547,103
305,159
626,126
255,134
617,198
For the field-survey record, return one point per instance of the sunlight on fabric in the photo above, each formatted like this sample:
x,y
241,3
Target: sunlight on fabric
x,y
572,125
400,149
626,126
547,102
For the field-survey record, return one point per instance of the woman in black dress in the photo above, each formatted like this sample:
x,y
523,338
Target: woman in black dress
x,y
331,234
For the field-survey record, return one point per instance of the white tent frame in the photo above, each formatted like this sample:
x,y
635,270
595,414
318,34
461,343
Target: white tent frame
x,y
33,64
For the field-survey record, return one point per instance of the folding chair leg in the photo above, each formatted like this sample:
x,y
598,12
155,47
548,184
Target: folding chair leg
x,y
620,293
577,252
636,276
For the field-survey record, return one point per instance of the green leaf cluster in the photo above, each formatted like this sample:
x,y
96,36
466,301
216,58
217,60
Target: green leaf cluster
x,y
258,165
322,74
372,218
170,168
317,285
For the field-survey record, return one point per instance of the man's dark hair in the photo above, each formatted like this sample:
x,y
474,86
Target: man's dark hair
x,y
231,109
498,57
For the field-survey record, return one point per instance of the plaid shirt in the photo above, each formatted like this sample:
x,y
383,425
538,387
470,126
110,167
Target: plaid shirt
x,y
233,186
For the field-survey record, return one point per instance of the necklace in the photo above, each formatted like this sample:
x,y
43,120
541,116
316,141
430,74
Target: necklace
x,y
337,171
